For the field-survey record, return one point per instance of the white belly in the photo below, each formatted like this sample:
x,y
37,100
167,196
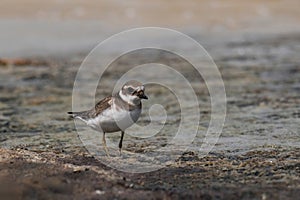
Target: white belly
x,y
113,120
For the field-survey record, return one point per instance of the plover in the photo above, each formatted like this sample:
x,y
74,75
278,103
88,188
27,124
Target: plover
x,y
115,113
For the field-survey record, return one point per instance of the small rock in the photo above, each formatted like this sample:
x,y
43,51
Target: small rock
x,y
99,192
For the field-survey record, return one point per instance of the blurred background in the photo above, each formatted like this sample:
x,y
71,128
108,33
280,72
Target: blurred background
x,y
33,27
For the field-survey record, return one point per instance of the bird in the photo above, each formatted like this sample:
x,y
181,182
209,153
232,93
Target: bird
x,y
116,112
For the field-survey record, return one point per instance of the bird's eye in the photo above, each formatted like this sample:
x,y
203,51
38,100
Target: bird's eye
x,y
130,90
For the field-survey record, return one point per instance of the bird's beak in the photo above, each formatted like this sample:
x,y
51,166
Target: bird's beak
x,y
143,96
140,94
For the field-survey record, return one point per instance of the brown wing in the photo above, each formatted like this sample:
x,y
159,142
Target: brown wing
x,y
101,106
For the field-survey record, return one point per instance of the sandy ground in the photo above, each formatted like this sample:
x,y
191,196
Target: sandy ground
x,y
270,174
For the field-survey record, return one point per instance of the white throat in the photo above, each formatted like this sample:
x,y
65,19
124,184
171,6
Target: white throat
x,y
130,99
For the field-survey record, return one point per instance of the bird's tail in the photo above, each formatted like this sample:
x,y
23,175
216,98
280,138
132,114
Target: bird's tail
x,y
74,114
83,115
